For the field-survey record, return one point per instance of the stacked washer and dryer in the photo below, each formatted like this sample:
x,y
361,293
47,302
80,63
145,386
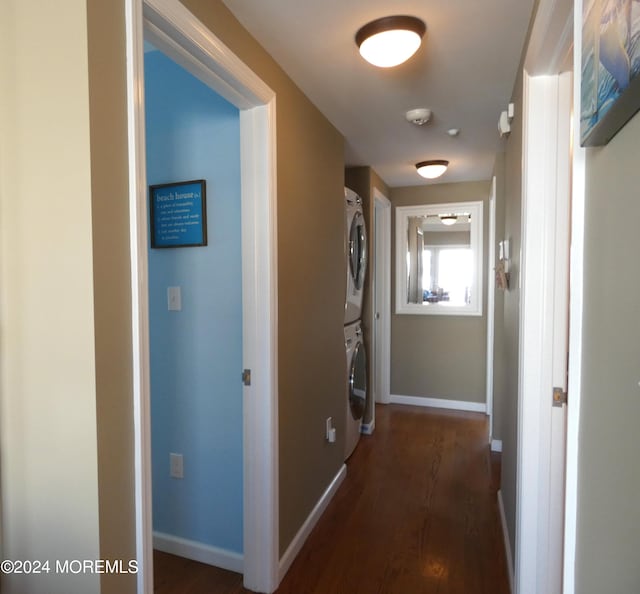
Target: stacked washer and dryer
x,y
356,251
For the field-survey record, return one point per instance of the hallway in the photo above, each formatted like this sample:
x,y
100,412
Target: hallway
x,y
416,514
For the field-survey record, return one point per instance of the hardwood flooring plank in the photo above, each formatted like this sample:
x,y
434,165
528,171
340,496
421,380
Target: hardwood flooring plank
x,y
416,514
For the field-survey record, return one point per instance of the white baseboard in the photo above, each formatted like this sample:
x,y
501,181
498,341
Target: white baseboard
x,y
198,551
507,540
496,445
299,539
367,428
439,403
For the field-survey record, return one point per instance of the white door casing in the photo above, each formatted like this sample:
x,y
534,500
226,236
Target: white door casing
x,y
381,310
541,558
491,291
537,307
186,40
575,316
556,496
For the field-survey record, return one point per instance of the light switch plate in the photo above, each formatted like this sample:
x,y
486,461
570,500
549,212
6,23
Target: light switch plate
x,y
176,468
174,299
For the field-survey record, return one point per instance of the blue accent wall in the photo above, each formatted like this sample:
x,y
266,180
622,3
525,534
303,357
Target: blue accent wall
x,y
196,353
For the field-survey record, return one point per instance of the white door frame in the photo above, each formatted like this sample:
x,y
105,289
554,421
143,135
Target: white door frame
x,y
551,40
574,380
381,289
491,304
185,39
543,337
538,242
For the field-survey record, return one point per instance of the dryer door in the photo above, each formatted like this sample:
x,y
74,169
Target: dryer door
x,y
358,250
358,382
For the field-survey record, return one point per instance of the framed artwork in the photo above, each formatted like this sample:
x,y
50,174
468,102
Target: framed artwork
x,y
610,92
178,214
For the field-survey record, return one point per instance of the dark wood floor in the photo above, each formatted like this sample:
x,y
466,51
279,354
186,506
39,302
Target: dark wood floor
x,y
416,514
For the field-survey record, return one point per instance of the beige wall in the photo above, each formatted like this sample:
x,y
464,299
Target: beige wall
x,y
439,356
112,294
508,321
608,539
49,369
499,353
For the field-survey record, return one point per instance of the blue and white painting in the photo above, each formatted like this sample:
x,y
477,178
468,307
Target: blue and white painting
x,y
610,62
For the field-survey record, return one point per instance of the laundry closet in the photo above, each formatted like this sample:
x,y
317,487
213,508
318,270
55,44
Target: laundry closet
x,y
356,356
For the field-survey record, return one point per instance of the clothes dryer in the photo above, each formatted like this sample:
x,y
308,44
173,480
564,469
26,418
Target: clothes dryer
x,y
356,250
356,391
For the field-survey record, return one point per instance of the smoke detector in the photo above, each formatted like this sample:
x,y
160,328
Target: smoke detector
x,y
419,116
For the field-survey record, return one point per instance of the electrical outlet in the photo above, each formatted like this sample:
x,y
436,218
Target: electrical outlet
x,y
330,432
176,468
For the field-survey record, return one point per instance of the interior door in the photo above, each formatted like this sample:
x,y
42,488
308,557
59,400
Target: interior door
x,y
559,404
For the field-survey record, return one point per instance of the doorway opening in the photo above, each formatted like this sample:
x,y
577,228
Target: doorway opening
x,y
552,249
170,27
195,315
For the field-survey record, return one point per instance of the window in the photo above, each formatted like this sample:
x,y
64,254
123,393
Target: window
x,y
449,280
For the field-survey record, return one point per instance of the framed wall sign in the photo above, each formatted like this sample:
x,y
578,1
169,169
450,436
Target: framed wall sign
x,y
178,214
610,93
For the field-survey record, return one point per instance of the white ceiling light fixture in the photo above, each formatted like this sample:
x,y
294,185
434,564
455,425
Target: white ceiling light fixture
x,y
432,169
391,40
449,219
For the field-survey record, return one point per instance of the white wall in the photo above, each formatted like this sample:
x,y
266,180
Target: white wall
x,y
49,477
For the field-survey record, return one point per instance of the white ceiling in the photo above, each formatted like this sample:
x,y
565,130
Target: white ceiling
x,y
464,72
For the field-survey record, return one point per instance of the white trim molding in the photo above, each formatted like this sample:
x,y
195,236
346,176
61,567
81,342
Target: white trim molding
x,y
543,333
576,305
139,293
260,347
368,428
536,331
506,540
299,539
480,407
539,557
198,551
491,301
381,290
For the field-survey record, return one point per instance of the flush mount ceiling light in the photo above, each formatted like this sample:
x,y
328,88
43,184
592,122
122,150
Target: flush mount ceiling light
x,y
391,40
449,219
432,169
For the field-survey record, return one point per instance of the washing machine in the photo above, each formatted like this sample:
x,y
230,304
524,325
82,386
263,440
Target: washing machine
x,y
356,392
356,249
